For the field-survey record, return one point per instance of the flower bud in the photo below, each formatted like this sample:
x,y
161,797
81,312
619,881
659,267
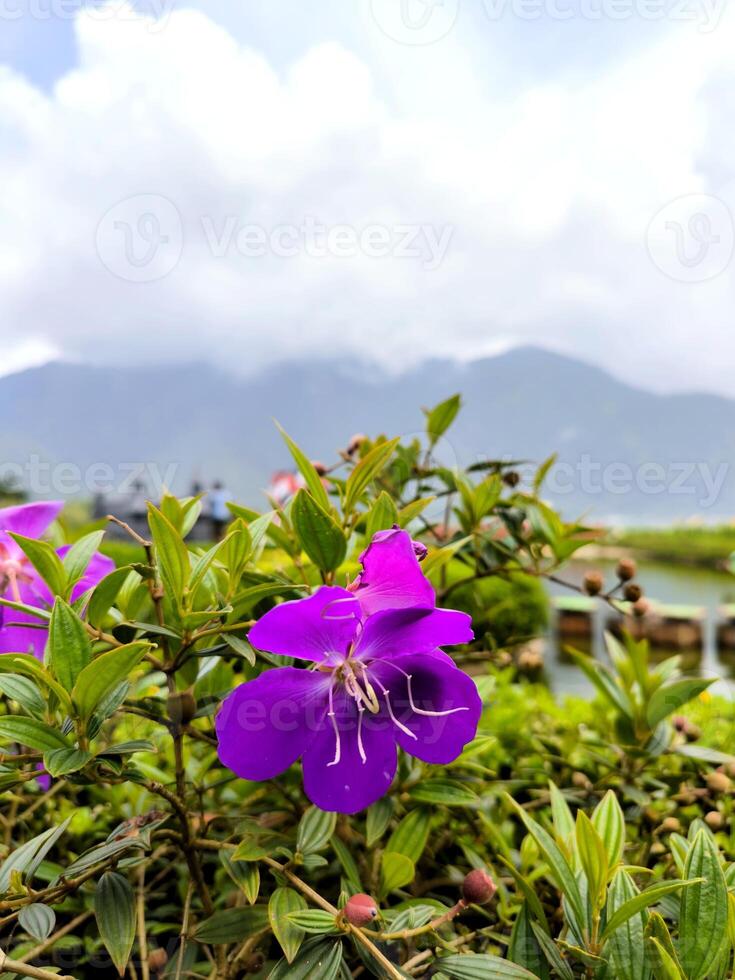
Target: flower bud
x,y
157,959
641,608
360,910
319,467
626,569
355,442
717,782
581,780
593,582
714,820
670,825
632,592
478,887
181,707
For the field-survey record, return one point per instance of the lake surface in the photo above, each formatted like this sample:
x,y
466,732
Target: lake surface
x,y
666,583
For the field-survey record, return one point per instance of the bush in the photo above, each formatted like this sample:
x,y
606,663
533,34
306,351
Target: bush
x,y
129,845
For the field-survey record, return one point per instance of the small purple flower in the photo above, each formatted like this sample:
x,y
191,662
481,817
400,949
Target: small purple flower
x,y
21,632
375,683
391,576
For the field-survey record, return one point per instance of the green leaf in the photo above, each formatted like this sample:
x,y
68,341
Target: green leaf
x,y
658,932
703,915
668,970
651,895
60,762
673,696
562,818
365,472
69,649
315,830
38,920
103,674
27,858
604,681
45,560
30,732
378,817
444,791
171,554
558,864
321,537
592,857
26,664
282,902
231,925
313,921
78,557
410,836
439,418
609,822
481,967
106,593
524,949
625,945
317,960
396,870
245,874
381,516
307,470
114,909
24,691
552,953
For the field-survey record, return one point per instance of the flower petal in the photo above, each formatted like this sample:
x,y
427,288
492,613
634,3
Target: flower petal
x,y
392,577
30,520
265,724
99,566
310,629
358,778
435,685
15,637
394,632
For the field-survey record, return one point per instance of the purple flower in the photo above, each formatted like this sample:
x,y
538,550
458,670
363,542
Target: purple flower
x,y
391,576
20,582
375,683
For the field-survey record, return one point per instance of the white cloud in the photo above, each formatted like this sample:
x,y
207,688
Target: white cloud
x,y
529,208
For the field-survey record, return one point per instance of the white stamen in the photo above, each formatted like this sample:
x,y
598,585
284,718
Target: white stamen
x,y
421,711
396,722
360,747
338,752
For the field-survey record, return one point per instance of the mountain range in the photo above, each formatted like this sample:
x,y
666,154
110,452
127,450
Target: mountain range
x,y
624,454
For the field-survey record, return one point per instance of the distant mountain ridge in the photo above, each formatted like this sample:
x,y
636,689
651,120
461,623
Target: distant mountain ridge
x,y
622,451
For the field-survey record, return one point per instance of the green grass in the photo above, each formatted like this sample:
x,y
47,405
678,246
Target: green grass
x,y
693,545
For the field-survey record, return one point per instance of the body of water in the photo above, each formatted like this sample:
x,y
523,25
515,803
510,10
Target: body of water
x,y
666,583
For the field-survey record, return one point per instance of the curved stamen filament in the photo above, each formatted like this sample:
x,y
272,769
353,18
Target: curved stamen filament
x,y
396,722
422,711
335,602
360,747
338,749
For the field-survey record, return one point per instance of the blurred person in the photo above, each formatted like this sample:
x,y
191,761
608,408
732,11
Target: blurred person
x,y
218,512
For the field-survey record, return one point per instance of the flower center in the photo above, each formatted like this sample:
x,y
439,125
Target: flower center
x,y
11,574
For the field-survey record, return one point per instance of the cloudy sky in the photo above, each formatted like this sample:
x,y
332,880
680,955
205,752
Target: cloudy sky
x,y
385,180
